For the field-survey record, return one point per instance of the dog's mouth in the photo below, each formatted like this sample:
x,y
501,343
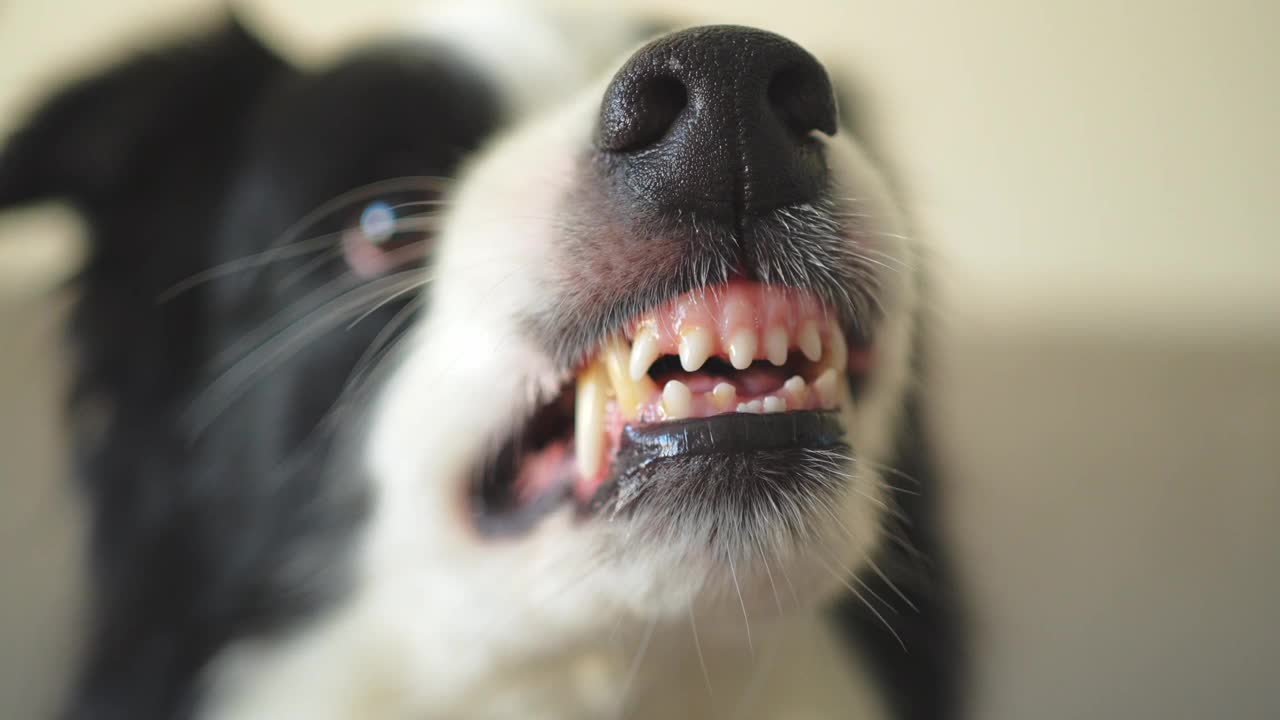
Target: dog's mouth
x,y
729,370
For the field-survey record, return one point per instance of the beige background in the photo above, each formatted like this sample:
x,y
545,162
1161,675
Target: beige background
x,y
1100,180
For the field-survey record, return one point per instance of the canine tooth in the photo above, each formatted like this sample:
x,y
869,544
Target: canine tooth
x,y
837,349
810,341
677,400
644,350
774,404
723,396
588,431
796,387
631,394
828,385
775,345
696,345
742,348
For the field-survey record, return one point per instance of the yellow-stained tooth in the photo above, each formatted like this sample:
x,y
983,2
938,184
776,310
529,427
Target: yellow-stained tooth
x,y
588,419
696,344
827,387
796,387
677,400
810,341
724,397
775,345
837,349
742,348
644,350
631,394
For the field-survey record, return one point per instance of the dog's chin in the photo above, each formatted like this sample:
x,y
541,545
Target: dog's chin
x,y
718,516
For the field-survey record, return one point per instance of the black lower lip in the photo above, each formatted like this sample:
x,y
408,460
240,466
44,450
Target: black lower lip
x,y
644,448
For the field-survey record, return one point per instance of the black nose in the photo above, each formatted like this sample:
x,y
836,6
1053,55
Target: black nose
x,y
718,120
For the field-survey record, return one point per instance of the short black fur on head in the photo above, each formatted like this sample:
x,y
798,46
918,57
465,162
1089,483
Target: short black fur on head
x,y
206,155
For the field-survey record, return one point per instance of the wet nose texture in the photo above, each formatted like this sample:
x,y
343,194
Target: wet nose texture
x,y
718,121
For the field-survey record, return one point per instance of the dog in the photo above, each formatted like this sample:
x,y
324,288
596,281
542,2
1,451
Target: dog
x,y
513,365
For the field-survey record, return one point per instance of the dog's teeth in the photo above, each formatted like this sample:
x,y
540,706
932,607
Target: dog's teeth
x,y
837,349
644,350
696,344
677,400
775,345
723,396
742,348
631,394
755,406
828,386
810,341
588,431
774,404
797,389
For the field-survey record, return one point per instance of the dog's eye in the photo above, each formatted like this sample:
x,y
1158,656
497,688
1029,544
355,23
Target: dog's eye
x,y
378,222
387,234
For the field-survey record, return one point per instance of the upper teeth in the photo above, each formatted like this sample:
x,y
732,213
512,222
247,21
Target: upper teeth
x,y
696,344
827,386
810,342
621,372
838,350
644,350
742,348
588,422
776,345
630,390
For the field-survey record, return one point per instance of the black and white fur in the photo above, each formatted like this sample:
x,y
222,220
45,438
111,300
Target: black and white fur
x,y
272,448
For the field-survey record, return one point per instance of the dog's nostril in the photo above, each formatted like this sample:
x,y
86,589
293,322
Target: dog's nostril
x,y
637,115
715,123
800,95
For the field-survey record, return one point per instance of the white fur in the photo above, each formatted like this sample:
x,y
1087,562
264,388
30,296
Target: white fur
x,y
567,621
536,57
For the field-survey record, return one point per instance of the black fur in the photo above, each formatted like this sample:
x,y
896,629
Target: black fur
x,y
212,526
915,646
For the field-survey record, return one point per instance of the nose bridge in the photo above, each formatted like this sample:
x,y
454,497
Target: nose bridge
x,y
729,69
717,120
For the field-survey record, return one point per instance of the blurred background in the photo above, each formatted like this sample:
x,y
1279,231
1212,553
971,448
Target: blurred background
x,y
1100,182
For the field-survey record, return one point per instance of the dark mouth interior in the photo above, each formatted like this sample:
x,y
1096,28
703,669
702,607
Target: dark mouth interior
x,y
760,373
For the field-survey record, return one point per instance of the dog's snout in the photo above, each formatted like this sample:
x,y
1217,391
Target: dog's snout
x,y
718,121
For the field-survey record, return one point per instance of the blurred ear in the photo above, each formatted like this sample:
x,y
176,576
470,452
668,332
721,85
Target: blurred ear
x,y
90,140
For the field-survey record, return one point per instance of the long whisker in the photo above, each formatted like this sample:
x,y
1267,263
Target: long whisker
x,y
883,620
697,646
288,246
265,257
743,603
635,667
230,384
